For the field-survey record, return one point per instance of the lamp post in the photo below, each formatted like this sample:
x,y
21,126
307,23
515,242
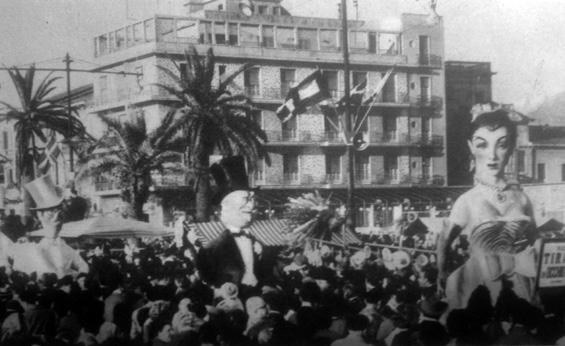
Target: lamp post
x,y
350,220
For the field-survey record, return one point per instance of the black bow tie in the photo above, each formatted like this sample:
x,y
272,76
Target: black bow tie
x,y
241,234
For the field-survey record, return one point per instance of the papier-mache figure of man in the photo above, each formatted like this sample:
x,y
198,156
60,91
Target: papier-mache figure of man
x,y
233,256
51,254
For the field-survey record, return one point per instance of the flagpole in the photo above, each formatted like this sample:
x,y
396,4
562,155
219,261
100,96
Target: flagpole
x,y
350,220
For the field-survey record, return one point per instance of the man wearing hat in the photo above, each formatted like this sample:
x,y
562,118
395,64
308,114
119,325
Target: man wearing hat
x,y
430,331
233,256
51,254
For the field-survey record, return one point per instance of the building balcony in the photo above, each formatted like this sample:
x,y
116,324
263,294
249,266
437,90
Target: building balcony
x,y
169,180
333,178
109,99
291,179
430,60
104,185
433,102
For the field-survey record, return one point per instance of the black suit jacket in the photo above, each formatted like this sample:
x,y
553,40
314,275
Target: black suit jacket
x,y
221,261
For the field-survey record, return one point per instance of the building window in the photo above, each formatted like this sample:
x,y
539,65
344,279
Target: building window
x,y
103,80
285,38
149,30
424,49
425,89
251,81
541,172
5,141
358,78
120,39
391,167
166,29
389,127
139,76
563,172
183,73
358,40
257,117
328,39
389,90
362,168
521,161
205,32
102,44
138,36
277,11
307,39
262,9
268,36
221,72
249,35
426,168
290,167
290,129
2,175
232,33
332,83
220,32
333,168
388,44
287,81
259,173
220,7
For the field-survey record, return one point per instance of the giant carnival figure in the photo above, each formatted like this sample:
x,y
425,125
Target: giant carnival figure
x,y
51,254
234,255
495,216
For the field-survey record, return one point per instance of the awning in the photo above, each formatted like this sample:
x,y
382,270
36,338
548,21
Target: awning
x,y
267,232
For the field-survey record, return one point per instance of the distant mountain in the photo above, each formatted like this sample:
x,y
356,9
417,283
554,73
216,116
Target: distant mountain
x,y
551,111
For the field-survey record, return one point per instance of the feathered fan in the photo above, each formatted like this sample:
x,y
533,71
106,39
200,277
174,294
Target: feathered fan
x,y
311,216
501,236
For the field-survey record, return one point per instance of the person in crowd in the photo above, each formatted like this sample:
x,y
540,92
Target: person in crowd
x,y
51,254
495,215
430,331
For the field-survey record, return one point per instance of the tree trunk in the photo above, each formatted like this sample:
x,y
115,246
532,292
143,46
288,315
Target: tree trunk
x,y
202,165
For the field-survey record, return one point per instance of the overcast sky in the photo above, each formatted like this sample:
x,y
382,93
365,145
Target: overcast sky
x,y
524,39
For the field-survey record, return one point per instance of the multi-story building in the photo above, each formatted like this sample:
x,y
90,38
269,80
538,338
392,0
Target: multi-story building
x,y
540,154
405,127
466,83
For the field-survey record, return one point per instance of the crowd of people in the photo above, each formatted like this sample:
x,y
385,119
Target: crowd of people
x,y
151,294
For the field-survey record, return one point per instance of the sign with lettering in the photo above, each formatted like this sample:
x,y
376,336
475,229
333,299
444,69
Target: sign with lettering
x,y
551,272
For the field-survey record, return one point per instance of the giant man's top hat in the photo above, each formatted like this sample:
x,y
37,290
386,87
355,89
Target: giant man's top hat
x,y
45,193
229,175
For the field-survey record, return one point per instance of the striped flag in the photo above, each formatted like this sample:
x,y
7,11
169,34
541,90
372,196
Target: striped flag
x,y
308,92
379,87
50,153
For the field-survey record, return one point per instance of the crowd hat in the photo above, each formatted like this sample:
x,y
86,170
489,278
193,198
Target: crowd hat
x,y
45,193
432,307
230,175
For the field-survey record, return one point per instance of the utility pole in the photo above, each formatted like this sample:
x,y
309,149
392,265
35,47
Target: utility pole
x,y
350,221
67,62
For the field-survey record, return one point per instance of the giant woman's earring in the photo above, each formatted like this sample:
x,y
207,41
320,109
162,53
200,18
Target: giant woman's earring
x,y
472,164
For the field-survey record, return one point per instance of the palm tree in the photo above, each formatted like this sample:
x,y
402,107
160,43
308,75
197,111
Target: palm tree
x,y
35,114
130,154
215,120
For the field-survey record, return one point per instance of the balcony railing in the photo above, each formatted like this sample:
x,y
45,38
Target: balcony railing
x,y
252,90
108,185
291,179
430,60
333,178
434,102
164,180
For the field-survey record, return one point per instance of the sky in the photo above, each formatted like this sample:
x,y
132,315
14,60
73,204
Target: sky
x,y
523,39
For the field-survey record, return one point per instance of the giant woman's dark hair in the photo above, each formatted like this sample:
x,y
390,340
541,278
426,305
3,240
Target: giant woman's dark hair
x,y
495,120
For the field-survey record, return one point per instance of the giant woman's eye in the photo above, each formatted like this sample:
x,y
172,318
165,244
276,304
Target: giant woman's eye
x,y
480,143
503,143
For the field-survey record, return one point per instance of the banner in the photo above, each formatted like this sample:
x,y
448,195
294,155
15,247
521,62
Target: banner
x,y
551,270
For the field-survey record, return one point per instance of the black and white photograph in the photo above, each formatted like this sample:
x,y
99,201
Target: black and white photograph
x,y
282,172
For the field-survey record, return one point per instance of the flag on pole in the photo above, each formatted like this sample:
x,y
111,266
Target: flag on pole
x,y
308,92
50,153
379,87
